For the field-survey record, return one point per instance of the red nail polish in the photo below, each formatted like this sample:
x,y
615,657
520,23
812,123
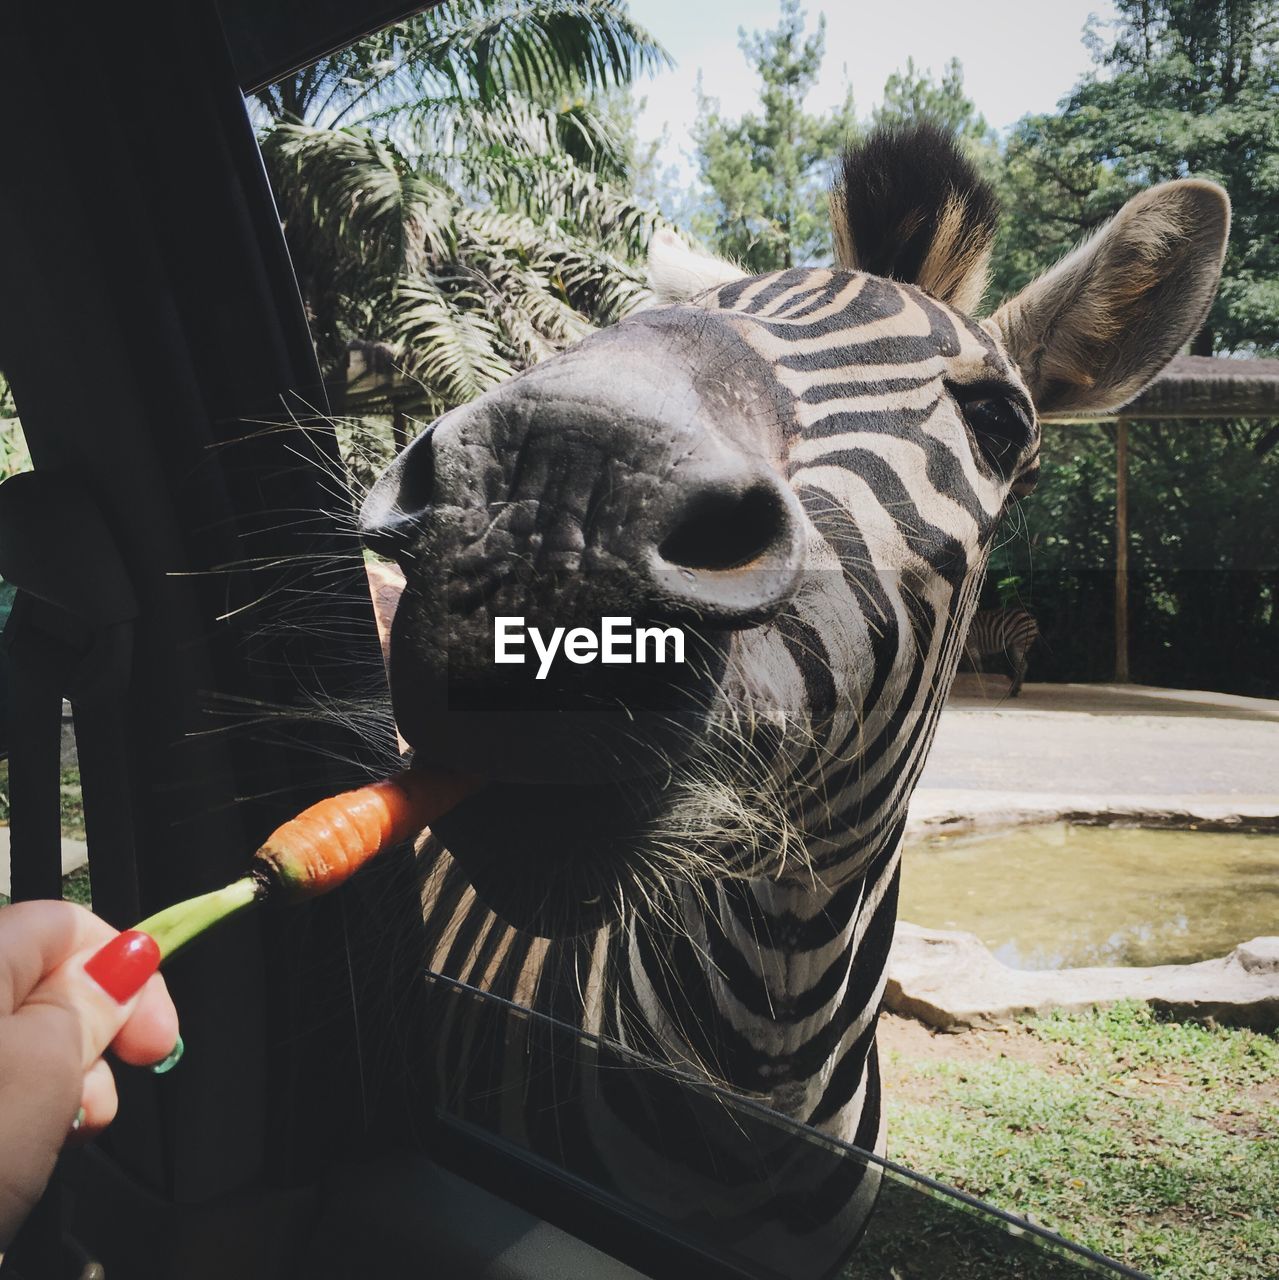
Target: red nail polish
x,y
124,964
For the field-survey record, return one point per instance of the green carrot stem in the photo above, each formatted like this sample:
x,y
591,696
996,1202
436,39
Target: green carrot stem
x,y
177,925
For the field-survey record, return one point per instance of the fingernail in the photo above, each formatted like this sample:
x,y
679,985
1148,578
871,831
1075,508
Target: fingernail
x,y
78,1122
124,964
167,1064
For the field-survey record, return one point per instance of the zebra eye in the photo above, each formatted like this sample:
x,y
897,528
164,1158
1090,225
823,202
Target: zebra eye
x,y
1001,424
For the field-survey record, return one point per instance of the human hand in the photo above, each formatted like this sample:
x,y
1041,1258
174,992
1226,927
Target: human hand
x,y
57,1019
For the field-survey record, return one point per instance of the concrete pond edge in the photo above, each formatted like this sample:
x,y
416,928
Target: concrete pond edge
x,y
936,812
949,980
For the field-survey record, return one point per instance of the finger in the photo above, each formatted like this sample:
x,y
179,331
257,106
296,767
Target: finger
x,y
99,989
35,938
152,1030
99,1101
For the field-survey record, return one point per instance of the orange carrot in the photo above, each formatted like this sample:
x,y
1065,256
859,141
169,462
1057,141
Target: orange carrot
x,y
318,850
329,842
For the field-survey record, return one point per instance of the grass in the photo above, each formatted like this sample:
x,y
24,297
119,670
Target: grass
x,y
75,887
1154,1142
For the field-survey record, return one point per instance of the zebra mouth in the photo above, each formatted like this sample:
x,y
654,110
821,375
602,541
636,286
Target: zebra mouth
x,y
560,859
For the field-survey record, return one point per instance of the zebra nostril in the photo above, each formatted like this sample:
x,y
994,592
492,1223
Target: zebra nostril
x,y
732,551
394,507
720,528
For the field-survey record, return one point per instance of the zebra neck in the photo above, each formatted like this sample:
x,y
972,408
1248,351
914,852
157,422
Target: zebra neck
x,y
772,988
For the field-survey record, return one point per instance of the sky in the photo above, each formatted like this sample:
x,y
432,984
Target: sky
x,y
1018,55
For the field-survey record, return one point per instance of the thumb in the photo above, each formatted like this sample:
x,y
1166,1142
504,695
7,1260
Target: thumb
x,y
99,989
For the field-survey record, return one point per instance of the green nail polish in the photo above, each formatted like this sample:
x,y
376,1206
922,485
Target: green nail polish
x,y
78,1121
167,1064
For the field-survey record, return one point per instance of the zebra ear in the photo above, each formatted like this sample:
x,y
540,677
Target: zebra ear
x,y
677,273
1095,330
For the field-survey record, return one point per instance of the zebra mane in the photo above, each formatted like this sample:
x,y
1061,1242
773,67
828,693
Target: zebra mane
x,y
907,204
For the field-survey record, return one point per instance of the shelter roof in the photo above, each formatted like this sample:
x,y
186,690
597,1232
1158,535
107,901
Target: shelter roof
x,y
1205,387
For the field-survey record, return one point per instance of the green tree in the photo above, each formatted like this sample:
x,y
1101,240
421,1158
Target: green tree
x,y
1203,556
1181,88
913,94
1184,88
454,189
767,173
1054,192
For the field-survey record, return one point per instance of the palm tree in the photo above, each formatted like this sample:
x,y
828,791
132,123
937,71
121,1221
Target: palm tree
x,y
454,193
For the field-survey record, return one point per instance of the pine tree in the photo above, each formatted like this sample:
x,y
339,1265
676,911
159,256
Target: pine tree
x,y
768,172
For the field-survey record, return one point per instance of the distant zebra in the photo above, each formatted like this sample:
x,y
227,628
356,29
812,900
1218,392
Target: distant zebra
x,y
1011,632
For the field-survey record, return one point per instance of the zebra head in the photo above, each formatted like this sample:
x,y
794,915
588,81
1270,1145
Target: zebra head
x,y
803,472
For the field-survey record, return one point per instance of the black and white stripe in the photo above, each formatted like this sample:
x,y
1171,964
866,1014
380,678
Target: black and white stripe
x,y
745,935
772,983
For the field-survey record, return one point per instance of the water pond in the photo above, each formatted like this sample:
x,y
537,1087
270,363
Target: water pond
x,y
1059,895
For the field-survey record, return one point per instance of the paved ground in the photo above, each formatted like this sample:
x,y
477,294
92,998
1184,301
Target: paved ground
x,y
1105,747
